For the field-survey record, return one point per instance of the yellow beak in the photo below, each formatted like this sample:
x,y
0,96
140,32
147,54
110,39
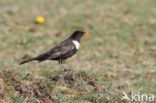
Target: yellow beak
x,y
86,33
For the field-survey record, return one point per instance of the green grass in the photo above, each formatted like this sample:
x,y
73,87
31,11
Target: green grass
x,y
120,51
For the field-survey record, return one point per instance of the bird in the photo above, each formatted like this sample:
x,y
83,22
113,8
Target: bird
x,y
61,51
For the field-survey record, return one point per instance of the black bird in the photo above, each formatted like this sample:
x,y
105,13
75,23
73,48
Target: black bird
x,y
62,51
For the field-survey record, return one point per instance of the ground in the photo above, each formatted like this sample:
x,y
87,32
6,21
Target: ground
x,y
118,56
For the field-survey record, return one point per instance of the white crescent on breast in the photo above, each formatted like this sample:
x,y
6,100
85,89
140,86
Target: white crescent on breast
x,y
76,43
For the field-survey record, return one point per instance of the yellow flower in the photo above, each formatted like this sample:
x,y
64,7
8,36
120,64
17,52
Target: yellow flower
x,y
40,19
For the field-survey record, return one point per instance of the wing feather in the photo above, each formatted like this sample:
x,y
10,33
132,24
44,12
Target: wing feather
x,y
61,50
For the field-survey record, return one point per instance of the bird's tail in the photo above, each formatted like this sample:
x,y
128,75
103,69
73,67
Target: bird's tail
x,y
27,60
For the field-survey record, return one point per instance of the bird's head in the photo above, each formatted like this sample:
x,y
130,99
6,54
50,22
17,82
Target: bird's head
x,y
78,34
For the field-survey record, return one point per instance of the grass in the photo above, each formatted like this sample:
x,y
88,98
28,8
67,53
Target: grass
x,y
120,51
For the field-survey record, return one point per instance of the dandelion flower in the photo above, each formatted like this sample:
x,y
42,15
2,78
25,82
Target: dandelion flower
x,y
40,20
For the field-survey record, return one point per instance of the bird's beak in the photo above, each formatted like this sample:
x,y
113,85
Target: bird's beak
x,y
86,33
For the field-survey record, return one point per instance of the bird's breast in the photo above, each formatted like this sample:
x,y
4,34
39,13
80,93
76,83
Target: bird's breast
x,y
76,43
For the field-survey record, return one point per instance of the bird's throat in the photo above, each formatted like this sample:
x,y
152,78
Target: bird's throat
x,y
76,43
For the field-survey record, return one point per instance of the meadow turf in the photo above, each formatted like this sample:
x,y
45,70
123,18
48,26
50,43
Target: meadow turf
x,y
118,55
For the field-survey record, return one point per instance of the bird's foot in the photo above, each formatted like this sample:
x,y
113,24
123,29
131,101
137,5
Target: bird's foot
x,y
64,68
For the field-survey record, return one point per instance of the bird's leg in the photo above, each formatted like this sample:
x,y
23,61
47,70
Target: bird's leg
x,y
60,62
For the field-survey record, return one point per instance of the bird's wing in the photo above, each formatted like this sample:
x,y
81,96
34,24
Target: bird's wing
x,y
61,49
58,50
43,56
